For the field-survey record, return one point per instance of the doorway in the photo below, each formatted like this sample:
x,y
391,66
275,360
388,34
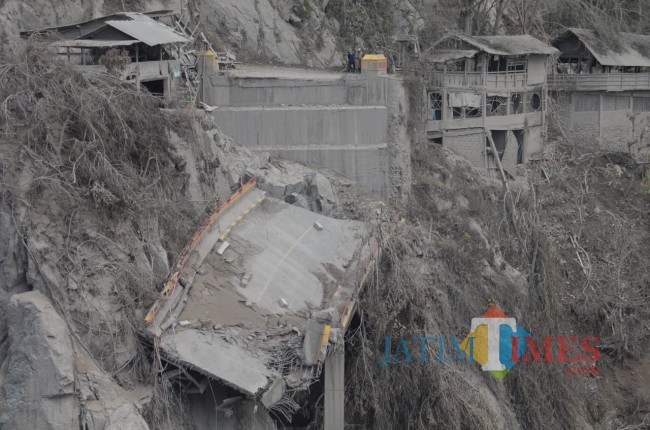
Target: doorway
x,y
519,136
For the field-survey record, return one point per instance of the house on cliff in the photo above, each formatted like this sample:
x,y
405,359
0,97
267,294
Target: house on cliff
x,y
149,49
489,88
601,86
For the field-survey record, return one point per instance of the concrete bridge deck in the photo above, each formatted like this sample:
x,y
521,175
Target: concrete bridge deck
x,y
268,289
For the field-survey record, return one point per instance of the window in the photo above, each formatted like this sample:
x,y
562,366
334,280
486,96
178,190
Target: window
x,y
516,103
464,105
612,103
496,106
435,106
641,104
535,102
516,64
587,102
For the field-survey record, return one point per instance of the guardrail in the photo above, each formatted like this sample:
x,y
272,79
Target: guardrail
x,y
173,277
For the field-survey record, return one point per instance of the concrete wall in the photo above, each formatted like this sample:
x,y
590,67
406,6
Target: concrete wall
x,y
365,91
304,127
352,124
608,127
471,145
559,116
468,143
240,91
584,128
274,92
616,130
534,142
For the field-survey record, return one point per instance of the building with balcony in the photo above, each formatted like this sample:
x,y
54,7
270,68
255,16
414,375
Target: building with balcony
x,y
148,48
601,89
489,87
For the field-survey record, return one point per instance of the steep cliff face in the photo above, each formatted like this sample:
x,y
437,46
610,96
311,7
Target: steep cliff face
x,y
287,31
315,33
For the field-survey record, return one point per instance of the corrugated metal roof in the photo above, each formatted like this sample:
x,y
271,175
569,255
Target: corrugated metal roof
x,y
147,30
629,49
91,43
506,45
156,13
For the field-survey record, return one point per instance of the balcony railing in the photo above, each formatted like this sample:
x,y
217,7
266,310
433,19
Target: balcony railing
x,y
599,82
460,104
148,70
492,80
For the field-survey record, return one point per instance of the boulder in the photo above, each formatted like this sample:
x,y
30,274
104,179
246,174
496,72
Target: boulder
x,y
39,391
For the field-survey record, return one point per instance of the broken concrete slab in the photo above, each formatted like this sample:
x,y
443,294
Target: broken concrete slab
x,y
321,187
325,316
275,190
289,269
289,258
302,202
278,182
274,393
235,366
312,342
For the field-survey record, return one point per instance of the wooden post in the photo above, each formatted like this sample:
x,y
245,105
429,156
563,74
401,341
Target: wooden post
x,y
465,71
600,119
445,105
483,105
497,160
483,69
137,67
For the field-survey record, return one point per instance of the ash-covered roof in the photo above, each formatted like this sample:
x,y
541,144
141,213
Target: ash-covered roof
x,y
628,49
505,45
140,27
92,43
445,55
147,30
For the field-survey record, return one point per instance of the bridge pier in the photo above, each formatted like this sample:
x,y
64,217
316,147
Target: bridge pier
x,y
335,390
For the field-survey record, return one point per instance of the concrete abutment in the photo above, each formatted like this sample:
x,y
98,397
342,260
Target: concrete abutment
x,y
351,124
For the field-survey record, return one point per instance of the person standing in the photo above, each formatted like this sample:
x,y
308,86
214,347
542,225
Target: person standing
x,y
357,60
351,61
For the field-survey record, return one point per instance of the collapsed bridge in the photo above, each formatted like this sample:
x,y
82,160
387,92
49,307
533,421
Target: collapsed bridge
x,y
256,304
